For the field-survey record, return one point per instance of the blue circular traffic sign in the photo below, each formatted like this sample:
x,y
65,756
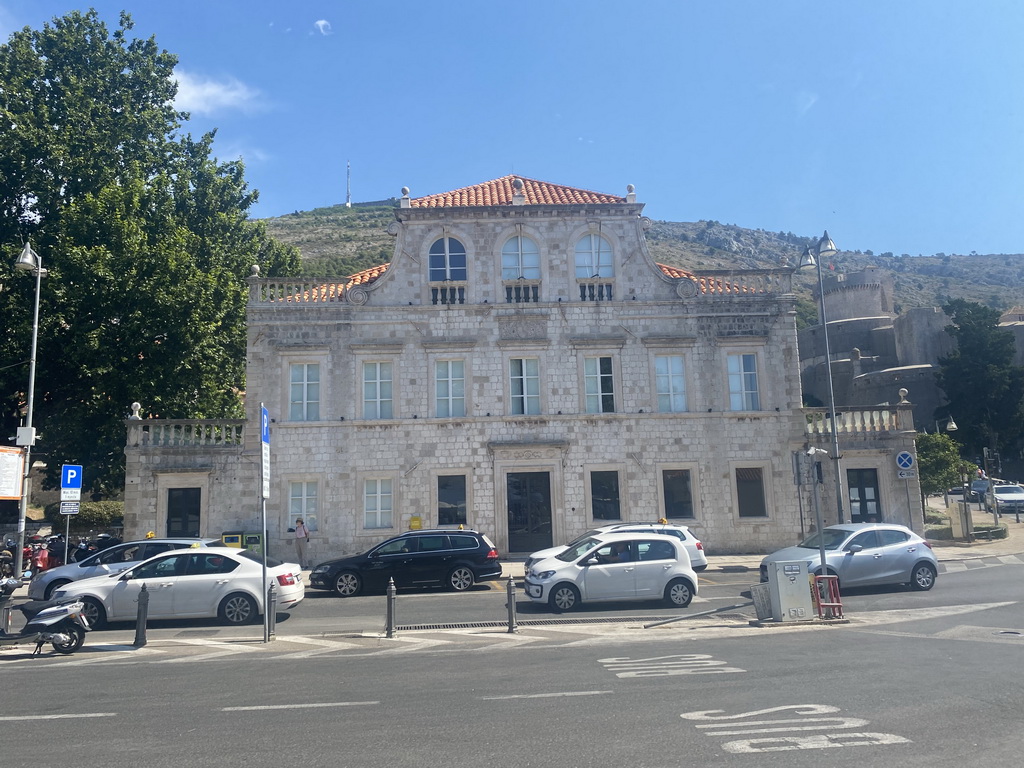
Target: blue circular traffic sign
x,y
904,460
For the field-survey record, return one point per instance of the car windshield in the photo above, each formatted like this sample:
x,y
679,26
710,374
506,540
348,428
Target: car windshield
x,y
578,549
833,539
1009,490
584,537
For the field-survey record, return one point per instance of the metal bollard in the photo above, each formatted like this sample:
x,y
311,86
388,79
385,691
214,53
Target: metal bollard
x,y
390,621
510,592
141,617
5,615
271,614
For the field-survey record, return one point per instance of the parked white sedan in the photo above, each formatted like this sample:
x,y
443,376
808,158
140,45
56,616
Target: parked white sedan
x,y
222,582
614,566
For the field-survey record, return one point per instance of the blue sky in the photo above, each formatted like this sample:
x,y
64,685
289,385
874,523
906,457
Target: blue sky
x,y
897,126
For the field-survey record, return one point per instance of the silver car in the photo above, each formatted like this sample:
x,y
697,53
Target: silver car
x,y
863,554
115,559
694,548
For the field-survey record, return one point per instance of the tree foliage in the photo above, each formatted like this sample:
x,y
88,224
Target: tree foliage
x,y
984,388
144,236
939,464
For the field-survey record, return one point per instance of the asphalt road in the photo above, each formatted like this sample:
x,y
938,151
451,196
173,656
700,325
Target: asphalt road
x,y
914,679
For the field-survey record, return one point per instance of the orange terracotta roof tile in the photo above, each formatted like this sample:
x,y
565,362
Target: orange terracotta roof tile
x,y
500,191
336,291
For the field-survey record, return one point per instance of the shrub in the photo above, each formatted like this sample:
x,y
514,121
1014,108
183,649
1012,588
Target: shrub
x,y
92,515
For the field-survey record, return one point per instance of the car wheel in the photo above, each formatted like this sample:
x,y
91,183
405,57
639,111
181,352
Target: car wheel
x,y
461,579
678,593
76,637
348,584
564,597
922,578
238,609
94,612
53,587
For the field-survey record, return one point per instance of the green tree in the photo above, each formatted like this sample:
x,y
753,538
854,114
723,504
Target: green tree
x,y
939,464
984,389
144,235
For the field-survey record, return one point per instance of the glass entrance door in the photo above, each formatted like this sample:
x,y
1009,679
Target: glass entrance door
x,y
529,511
183,512
864,502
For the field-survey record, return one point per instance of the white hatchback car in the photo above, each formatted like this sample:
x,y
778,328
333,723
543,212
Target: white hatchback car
x,y
222,582
694,548
614,566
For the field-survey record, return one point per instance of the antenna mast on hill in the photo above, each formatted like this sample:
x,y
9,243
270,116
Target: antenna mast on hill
x,y
348,184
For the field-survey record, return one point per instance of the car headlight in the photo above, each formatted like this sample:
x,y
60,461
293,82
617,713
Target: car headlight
x,y
545,575
321,569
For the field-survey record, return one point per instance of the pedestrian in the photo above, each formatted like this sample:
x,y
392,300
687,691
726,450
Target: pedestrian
x,y
301,540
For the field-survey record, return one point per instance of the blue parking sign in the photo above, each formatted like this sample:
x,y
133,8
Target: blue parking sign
x,y
71,476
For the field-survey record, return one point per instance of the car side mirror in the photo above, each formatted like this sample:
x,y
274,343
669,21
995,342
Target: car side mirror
x,y
122,576
854,548
592,561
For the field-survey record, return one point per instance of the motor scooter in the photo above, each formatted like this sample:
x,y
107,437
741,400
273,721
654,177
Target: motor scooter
x,y
58,622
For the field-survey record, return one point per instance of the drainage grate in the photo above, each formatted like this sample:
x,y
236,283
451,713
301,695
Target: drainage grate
x,y
1010,632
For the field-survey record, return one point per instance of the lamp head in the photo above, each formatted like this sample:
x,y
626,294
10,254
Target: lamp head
x,y
826,248
807,259
951,426
28,259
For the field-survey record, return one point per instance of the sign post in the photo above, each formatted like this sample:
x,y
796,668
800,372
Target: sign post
x,y
264,495
70,498
905,471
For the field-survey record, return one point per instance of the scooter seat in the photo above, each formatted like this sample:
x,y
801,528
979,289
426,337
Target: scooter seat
x,y
33,607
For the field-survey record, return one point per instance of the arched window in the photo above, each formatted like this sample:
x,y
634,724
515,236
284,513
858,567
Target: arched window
x,y
593,257
447,260
520,259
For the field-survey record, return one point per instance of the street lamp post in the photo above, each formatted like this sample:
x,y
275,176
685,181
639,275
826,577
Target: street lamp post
x,y
29,260
814,453
824,249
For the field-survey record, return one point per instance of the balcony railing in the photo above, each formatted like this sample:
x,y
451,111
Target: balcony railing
x,y
858,421
185,432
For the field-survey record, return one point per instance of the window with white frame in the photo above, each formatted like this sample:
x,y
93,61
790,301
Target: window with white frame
x,y
447,260
304,392
450,388
524,385
302,503
599,386
377,503
378,395
520,259
670,382
743,392
593,257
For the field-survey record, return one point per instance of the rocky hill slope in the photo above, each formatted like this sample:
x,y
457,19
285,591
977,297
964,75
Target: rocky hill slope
x,y
337,241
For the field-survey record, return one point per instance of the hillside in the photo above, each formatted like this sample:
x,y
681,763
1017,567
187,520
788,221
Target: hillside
x,y
337,241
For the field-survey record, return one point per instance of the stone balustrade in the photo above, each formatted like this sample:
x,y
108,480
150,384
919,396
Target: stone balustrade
x,y
187,433
859,420
740,282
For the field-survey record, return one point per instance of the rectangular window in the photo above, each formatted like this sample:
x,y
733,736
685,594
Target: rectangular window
x,y
743,394
377,502
598,384
670,383
604,495
524,385
304,392
451,500
302,502
377,391
678,492
450,388
750,492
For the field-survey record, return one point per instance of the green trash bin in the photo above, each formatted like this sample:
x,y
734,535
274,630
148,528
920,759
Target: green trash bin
x,y
253,540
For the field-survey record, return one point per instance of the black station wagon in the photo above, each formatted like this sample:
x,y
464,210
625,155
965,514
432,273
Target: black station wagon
x,y
455,558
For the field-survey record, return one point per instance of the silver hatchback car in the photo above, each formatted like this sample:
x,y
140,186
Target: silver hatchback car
x,y
864,554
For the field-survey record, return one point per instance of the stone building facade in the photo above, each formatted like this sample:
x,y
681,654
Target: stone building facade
x,y
522,366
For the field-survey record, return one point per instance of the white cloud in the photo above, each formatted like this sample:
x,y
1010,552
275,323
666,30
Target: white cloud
x,y
805,100
324,26
202,95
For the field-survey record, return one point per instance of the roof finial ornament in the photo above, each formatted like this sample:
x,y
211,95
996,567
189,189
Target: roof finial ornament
x,y
630,193
518,196
405,202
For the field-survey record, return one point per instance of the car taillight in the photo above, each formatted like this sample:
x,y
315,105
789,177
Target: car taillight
x,y
286,580
700,547
927,543
492,555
